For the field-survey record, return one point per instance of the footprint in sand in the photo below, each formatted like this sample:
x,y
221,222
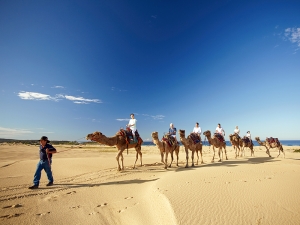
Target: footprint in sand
x,y
122,210
102,205
43,214
12,206
71,193
128,198
11,215
75,207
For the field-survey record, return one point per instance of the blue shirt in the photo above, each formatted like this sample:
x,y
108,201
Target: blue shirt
x,y
172,131
43,155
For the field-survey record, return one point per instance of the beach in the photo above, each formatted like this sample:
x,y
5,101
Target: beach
x,y
88,189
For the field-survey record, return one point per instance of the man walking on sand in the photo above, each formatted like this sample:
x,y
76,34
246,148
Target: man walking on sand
x,y
46,151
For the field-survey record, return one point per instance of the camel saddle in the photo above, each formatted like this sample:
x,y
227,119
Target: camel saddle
x,y
272,140
128,135
169,139
195,138
246,139
220,137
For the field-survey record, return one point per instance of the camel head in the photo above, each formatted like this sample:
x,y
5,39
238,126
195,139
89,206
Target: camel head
x,y
207,133
257,138
231,137
182,133
94,136
155,135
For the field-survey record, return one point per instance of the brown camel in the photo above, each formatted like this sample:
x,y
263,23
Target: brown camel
x,y
165,149
248,144
236,143
271,145
239,145
215,142
120,142
188,143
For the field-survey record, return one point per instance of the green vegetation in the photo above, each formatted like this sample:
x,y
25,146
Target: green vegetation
x,y
297,150
37,142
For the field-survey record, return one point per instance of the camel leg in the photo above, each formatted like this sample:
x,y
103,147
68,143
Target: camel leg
x,y
193,152
252,151
280,148
201,156
219,152
268,152
141,156
136,158
138,152
214,154
187,157
122,160
166,160
117,158
236,151
177,155
171,159
162,157
197,157
225,152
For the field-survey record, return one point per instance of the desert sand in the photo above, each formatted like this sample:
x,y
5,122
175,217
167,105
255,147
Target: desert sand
x,y
89,190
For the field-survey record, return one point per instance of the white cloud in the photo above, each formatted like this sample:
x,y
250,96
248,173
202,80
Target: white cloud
x,y
293,35
158,117
34,96
58,87
39,96
10,132
122,119
81,100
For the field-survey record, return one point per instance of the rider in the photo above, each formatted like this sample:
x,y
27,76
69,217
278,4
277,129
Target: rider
x,y
132,124
172,131
197,130
237,131
220,131
248,135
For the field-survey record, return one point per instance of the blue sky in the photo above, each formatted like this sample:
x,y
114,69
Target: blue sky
x,y
69,68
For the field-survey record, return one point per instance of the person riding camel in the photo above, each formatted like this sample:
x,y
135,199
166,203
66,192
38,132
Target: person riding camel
x,y
237,132
220,131
172,132
132,125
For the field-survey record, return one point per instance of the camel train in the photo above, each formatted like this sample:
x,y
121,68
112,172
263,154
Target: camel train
x,y
167,146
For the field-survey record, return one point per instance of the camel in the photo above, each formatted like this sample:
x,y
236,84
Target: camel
x,y
248,144
239,143
236,143
120,142
215,142
268,145
188,143
164,148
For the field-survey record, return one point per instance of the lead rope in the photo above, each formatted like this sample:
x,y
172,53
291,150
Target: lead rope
x,y
71,149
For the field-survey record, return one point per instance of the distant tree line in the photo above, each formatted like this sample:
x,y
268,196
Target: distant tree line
x,y
37,142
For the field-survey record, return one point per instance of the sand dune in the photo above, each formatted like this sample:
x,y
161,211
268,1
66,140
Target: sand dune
x,y
89,190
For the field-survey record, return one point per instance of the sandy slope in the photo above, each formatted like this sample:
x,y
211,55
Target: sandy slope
x,y
89,190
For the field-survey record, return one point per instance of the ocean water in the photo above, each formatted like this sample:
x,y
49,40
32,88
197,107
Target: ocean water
x,y
205,143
